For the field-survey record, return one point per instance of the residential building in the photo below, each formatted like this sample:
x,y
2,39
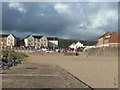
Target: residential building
x,y
3,40
52,42
109,39
18,42
12,40
7,40
36,41
43,41
29,40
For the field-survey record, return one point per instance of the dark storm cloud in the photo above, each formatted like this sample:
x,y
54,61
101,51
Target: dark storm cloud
x,y
32,21
0,17
67,20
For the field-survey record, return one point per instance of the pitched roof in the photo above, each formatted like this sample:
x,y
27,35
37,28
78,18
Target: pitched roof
x,y
13,35
52,38
38,37
4,35
35,36
104,34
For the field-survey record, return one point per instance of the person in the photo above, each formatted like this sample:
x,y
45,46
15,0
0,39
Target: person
x,y
59,50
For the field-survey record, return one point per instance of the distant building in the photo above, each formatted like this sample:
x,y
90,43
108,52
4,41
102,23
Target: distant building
x,y
76,45
72,45
12,40
8,40
52,42
3,40
109,39
36,41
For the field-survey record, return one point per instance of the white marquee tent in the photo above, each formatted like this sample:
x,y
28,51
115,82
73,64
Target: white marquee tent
x,y
76,45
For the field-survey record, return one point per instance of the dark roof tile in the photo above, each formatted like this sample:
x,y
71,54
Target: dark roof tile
x,y
35,36
4,35
52,38
38,37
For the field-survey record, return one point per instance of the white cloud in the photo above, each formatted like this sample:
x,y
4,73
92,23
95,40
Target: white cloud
x,y
61,8
17,6
103,18
41,14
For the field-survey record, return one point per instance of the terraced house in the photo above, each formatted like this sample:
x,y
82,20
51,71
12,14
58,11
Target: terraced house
x,y
109,39
12,40
9,40
3,40
36,41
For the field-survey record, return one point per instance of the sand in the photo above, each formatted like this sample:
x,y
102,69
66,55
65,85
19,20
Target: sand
x,y
97,72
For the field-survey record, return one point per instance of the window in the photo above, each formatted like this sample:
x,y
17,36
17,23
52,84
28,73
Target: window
x,y
11,39
108,36
29,44
36,39
31,40
44,43
11,44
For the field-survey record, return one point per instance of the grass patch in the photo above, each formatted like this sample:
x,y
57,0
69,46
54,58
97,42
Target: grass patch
x,y
12,54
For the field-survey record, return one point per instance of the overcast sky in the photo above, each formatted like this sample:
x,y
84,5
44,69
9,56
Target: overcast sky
x,y
76,20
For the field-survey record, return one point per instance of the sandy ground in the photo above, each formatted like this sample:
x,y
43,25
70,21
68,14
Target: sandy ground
x,y
97,72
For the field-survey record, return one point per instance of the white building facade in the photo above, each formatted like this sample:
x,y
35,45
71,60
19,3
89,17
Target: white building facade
x,y
53,42
11,40
36,41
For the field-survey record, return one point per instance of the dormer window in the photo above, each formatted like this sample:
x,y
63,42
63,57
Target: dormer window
x,y
108,36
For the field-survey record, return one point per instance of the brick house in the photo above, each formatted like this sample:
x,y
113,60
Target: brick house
x,y
3,40
109,39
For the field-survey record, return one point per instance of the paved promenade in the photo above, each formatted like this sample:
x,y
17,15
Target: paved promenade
x,y
40,76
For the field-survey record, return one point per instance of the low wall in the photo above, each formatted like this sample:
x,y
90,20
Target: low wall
x,y
103,51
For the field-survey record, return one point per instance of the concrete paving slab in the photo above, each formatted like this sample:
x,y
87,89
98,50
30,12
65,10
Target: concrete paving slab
x,y
40,76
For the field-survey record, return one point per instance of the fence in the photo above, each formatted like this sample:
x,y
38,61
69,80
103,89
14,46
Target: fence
x,y
19,49
26,51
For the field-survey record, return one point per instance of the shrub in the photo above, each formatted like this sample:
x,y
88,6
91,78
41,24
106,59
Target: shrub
x,y
21,55
12,54
5,53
